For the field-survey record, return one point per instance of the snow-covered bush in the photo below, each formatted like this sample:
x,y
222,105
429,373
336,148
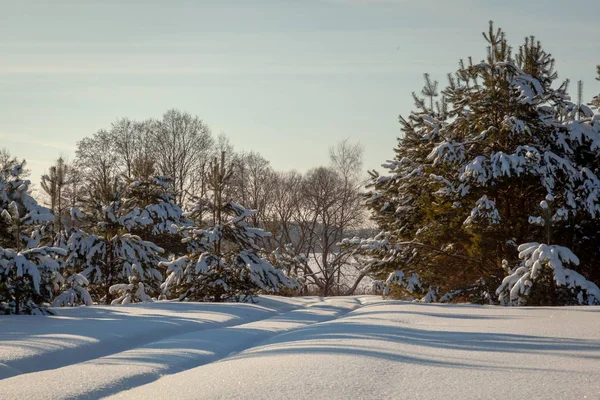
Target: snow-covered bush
x,y
478,292
543,268
73,292
132,292
398,284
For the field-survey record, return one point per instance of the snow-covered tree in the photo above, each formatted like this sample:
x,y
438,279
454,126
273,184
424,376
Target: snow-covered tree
x,y
155,199
471,169
105,252
224,261
29,271
73,291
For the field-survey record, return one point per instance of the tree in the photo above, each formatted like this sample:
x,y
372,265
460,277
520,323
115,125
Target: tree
x,y
181,147
154,198
105,252
10,163
28,270
326,211
347,160
544,264
54,184
252,183
311,214
133,146
97,162
284,206
224,260
470,170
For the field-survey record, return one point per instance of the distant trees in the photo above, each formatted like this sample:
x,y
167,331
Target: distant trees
x,y
116,230
252,184
314,213
596,100
177,146
132,142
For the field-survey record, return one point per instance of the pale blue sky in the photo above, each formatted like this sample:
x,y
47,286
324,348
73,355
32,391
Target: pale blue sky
x,y
286,78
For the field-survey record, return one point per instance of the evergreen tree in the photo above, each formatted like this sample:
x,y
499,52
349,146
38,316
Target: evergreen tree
x,y
54,184
105,252
469,173
154,197
29,271
224,261
544,265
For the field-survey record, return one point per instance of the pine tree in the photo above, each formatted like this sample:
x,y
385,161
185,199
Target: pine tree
x,y
542,278
224,261
29,271
469,174
154,197
105,252
54,184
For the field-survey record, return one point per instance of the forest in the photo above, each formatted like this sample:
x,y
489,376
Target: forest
x,y
492,197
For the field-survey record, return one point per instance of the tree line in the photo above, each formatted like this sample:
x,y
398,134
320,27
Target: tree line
x,y
162,209
493,196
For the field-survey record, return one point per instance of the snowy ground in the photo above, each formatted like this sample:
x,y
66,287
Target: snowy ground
x,y
302,348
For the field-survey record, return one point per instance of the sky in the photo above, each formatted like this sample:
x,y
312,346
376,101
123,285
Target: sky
x,y
285,78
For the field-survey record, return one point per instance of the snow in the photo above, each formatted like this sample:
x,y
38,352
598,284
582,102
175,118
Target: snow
x,y
302,348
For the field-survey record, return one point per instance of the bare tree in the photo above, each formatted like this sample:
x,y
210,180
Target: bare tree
x,y
126,141
97,162
347,159
181,147
253,183
283,208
